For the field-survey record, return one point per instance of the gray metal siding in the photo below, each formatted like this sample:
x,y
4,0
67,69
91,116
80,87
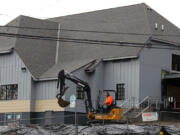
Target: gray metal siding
x,y
126,72
33,96
106,76
45,90
10,73
95,81
152,61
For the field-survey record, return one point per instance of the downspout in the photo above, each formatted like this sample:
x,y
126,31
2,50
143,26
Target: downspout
x,y
57,45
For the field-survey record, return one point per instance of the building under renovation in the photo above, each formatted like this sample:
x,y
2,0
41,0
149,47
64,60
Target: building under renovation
x,y
132,50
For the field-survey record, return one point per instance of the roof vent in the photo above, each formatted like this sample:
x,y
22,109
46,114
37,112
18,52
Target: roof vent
x,y
162,27
156,26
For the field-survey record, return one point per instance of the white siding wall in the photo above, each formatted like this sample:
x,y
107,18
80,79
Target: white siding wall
x,y
10,73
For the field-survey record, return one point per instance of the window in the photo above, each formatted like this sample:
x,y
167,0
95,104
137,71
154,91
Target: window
x,y
80,92
120,91
8,92
176,62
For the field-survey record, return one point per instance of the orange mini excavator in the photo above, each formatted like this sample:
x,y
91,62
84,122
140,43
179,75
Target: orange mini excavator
x,y
114,113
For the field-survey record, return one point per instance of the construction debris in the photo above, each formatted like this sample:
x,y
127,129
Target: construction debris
x,y
113,129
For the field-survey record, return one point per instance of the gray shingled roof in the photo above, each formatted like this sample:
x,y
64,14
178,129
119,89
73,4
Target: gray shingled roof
x,y
130,19
116,24
138,18
37,55
75,55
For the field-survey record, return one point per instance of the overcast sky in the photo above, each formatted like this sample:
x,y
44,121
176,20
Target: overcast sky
x,y
10,9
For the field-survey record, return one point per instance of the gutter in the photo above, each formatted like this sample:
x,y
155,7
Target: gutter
x,y
45,79
6,51
165,41
120,58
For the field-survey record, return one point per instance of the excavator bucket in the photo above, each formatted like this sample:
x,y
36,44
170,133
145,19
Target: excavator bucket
x,y
61,101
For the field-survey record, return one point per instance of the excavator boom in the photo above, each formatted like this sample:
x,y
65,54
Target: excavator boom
x,y
62,76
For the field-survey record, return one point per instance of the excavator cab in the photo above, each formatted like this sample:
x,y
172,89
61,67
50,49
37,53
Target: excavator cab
x,y
113,95
102,97
112,115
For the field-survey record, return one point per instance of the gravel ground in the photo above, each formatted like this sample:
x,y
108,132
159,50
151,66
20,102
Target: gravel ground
x,y
112,129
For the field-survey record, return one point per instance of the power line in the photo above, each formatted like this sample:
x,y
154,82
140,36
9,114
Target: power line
x,y
91,31
87,41
125,33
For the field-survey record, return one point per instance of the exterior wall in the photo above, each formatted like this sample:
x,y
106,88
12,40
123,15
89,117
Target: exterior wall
x,y
45,96
33,96
95,81
15,106
45,90
122,71
11,73
106,76
152,61
47,105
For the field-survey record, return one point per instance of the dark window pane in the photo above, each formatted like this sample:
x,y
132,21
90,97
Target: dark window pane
x,y
3,93
14,92
8,92
175,62
80,92
120,92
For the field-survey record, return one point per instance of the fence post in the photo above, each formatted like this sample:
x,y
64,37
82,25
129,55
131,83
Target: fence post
x,y
148,102
76,126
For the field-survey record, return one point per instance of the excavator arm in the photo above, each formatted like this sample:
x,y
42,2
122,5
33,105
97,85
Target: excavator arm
x,y
92,115
62,77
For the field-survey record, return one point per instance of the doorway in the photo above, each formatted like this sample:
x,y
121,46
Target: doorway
x,y
171,93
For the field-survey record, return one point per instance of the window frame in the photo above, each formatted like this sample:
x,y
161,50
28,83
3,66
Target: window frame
x,y
9,92
120,90
175,64
79,92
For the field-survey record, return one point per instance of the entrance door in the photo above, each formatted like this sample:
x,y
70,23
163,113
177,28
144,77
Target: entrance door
x,y
174,92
